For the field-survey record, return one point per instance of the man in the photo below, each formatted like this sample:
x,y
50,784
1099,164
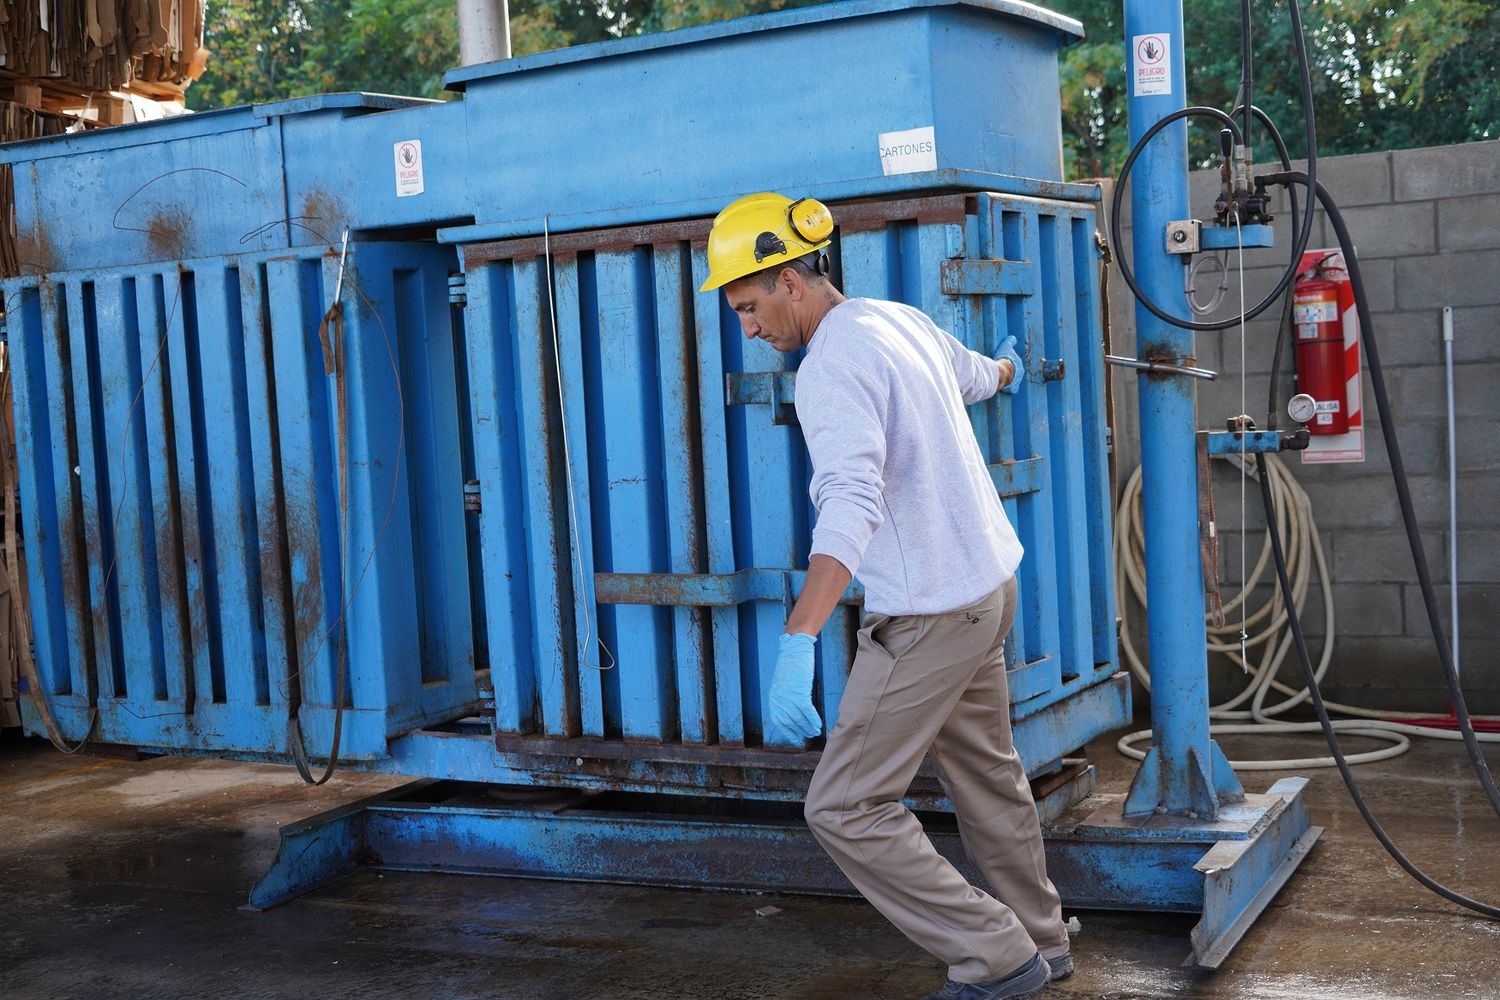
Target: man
x,y
905,501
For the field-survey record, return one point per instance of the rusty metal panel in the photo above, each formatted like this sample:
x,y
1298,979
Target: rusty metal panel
x,y
680,499
179,431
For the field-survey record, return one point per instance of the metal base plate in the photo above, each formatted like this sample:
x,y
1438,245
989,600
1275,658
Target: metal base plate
x,y
1229,869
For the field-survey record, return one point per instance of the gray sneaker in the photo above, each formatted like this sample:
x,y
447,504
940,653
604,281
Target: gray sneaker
x,y
1026,981
1062,966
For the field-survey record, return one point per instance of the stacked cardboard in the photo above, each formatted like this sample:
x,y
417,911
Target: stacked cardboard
x,y
101,45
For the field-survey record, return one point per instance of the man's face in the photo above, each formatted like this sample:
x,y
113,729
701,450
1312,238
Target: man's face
x,y
764,315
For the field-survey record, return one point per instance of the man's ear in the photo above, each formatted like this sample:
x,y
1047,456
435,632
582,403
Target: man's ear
x,y
792,282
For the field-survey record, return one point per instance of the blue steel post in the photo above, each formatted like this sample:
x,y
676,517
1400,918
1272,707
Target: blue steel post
x,y
1179,775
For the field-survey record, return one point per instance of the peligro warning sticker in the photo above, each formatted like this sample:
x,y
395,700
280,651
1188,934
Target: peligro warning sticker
x,y
1151,63
908,152
409,167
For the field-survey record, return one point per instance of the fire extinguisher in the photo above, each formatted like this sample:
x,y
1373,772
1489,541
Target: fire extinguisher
x,y
1320,350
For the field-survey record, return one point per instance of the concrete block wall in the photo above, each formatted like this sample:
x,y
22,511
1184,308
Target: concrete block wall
x,y
1426,223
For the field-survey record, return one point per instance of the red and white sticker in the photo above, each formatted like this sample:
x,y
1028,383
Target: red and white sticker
x,y
409,168
1151,62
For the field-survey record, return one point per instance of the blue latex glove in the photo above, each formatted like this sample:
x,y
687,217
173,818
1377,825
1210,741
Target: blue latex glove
x,y
1008,353
792,716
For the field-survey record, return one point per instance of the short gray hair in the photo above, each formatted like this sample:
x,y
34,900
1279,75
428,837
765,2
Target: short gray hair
x,y
806,265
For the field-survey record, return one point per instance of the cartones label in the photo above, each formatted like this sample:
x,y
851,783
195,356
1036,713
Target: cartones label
x,y
907,152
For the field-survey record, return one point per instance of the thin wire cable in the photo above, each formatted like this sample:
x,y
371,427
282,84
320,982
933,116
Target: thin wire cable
x,y
1239,238
590,636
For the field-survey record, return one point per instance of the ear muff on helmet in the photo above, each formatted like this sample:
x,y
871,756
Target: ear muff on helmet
x,y
810,220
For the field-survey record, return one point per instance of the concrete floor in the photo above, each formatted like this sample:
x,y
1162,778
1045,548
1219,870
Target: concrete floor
x,y
122,880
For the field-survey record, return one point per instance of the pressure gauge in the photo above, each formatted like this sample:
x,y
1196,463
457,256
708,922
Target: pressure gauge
x,y
1302,408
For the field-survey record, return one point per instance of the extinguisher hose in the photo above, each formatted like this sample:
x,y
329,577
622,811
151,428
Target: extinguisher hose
x,y
1419,558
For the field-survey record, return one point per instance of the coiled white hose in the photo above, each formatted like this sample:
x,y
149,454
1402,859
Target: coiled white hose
x,y
1266,631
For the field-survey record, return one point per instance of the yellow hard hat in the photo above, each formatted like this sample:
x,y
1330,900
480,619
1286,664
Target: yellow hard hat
x,y
762,231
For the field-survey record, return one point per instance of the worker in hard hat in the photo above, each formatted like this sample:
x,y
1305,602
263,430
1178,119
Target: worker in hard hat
x,y
905,501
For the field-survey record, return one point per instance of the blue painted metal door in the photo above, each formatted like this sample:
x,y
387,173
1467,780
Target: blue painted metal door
x,y
644,485
192,578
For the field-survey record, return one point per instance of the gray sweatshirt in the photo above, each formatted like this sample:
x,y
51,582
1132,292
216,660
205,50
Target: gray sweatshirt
x,y
904,499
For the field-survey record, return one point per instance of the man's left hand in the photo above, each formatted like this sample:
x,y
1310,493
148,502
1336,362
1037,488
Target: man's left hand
x,y
792,717
1017,366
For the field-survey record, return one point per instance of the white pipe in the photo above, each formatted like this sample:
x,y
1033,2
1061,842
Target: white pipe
x,y
483,31
1452,488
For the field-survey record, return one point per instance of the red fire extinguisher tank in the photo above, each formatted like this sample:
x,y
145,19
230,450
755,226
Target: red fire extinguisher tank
x,y
1320,353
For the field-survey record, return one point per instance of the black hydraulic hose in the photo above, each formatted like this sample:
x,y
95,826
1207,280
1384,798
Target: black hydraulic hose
x,y
1398,473
1246,72
1295,621
1298,247
1283,334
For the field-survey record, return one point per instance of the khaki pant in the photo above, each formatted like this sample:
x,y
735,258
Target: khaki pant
x,y
938,682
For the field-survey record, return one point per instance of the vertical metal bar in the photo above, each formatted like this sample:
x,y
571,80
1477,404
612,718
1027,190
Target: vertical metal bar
x,y
379,583
271,535
434,464
1065,413
587,624
94,493
1037,632
236,579
45,482
1097,485
492,388
1181,758
161,475
996,442
178,299
124,448
865,261
1452,485
543,505
684,510
304,416
717,501
629,423
769,479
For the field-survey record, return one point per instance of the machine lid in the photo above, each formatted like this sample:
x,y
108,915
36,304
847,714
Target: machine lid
x,y
1068,31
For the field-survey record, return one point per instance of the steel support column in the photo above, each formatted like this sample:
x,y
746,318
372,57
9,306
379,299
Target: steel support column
x,y
1184,773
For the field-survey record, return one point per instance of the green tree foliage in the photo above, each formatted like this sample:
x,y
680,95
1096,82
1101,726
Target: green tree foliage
x,y
270,50
1387,74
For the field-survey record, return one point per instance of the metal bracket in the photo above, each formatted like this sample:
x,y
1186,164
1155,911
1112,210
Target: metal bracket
x,y
706,590
1236,442
1251,237
472,502
1185,236
988,277
1013,479
458,289
775,389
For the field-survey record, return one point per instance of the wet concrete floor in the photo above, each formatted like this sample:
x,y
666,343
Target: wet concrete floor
x,y
124,880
